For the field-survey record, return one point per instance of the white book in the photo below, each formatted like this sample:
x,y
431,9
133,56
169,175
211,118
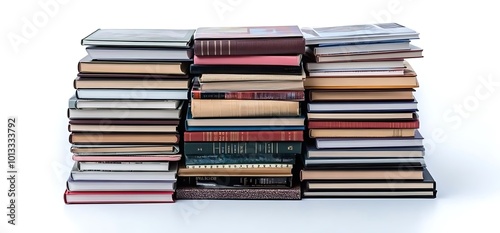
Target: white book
x,y
330,143
139,54
170,175
362,106
360,65
123,166
361,48
128,94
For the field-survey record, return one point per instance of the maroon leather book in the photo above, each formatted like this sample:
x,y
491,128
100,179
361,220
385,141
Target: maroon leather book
x,y
123,122
244,136
131,76
363,124
265,40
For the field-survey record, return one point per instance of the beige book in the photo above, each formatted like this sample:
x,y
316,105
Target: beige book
x,y
360,82
130,84
253,85
354,133
243,108
250,77
383,185
123,128
86,65
359,116
101,138
234,171
361,95
403,174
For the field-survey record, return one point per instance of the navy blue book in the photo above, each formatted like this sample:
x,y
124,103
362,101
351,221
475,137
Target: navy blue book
x,y
239,159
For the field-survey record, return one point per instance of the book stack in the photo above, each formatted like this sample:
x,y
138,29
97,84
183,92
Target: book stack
x,y
125,114
244,127
362,115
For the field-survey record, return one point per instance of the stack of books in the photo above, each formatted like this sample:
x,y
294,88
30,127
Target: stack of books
x,y
125,114
362,114
244,127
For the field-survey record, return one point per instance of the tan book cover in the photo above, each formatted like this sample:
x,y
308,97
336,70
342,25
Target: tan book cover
x,y
243,108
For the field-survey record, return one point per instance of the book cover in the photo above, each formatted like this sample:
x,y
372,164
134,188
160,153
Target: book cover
x,y
293,193
140,37
247,32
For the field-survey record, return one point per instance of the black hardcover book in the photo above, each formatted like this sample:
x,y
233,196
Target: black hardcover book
x,y
244,69
242,148
236,182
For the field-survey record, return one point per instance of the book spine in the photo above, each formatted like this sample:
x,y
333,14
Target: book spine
x,y
72,102
243,108
239,159
241,148
215,181
234,47
363,125
289,95
244,136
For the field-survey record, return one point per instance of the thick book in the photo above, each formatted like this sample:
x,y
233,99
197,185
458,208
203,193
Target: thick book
x,y
132,94
361,133
228,171
113,185
203,108
117,197
361,95
188,192
236,182
239,159
241,148
76,103
331,143
170,175
243,136
139,54
175,38
358,34
124,113
206,78
245,69
123,138
325,124
115,83
234,41
87,65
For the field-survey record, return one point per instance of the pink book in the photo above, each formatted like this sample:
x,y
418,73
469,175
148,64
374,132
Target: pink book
x,y
141,158
117,197
288,60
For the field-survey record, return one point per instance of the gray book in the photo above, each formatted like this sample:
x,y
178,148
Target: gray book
x,y
176,38
129,94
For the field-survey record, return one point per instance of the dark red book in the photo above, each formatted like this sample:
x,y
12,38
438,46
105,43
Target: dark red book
x,y
249,95
363,124
266,40
244,136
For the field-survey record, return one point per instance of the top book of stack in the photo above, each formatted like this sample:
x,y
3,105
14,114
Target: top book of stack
x,y
140,38
237,41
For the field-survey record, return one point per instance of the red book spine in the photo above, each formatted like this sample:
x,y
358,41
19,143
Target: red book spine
x,y
249,95
234,47
363,125
246,136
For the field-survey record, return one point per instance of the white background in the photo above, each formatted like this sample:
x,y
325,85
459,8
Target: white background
x,y
40,48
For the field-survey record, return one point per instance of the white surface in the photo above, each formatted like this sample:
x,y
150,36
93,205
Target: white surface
x,y
460,46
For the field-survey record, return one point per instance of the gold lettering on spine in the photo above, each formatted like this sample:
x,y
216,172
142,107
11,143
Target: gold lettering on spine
x,y
208,47
215,47
228,47
220,47
201,42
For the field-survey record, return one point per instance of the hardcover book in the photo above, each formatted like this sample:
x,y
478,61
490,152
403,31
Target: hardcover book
x,y
180,38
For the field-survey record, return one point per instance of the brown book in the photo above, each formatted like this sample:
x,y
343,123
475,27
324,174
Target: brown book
x,y
401,174
86,65
101,83
355,133
365,95
123,138
124,149
243,108
293,193
250,77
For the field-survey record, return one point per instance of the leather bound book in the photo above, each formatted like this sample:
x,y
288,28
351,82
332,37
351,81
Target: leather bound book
x,y
293,193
